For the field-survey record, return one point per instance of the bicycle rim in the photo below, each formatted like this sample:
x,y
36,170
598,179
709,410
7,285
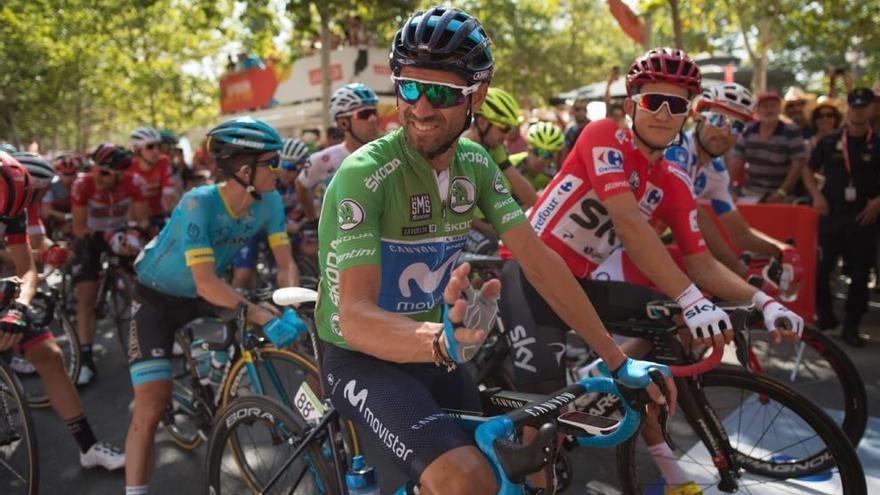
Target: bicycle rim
x,y
819,369
783,443
119,303
182,419
265,434
19,468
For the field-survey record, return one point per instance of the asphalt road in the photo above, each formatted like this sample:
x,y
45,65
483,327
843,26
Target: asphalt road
x,y
107,402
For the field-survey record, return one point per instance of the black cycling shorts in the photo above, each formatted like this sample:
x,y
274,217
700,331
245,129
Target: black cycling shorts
x,y
536,335
86,264
154,319
401,405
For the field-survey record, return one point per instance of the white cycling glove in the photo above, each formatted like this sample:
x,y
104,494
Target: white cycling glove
x,y
701,315
777,315
479,315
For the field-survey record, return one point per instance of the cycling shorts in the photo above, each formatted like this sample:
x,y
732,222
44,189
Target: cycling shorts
x,y
400,406
536,335
86,264
32,336
155,317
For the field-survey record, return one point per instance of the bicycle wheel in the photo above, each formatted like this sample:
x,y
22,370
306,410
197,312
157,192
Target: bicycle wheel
x,y
189,416
818,368
64,334
285,376
782,442
261,433
119,296
19,467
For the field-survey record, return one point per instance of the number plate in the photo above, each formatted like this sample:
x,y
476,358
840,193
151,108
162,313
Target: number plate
x,y
307,403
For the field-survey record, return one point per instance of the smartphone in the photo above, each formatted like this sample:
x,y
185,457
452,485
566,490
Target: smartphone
x,y
590,424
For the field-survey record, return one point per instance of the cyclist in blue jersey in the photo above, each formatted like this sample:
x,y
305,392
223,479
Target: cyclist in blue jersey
x,y
180,272
293,156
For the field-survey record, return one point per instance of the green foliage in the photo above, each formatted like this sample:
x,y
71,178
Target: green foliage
x,y
75,72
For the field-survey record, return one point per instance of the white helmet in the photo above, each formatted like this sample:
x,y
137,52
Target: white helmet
x,y
294,151
350,98
144,135
730,96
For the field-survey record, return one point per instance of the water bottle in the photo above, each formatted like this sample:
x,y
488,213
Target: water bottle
x,y
361,478
219,360
201,356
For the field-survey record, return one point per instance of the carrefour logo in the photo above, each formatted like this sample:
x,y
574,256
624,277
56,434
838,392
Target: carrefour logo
x,y
607,160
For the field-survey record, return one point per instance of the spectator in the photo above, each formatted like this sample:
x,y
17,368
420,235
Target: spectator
x,y
358,36
794,109
848,205
772,152
615,112
335,136
579,114
824,119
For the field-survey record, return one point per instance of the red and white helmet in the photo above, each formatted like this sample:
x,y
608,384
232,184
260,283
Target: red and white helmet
x,y
16,187
664,65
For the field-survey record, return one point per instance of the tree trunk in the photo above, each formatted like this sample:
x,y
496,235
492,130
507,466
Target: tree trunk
x,y
676,23
323,11
648,18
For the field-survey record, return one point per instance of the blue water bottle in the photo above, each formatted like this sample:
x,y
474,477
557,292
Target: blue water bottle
x,y
361,478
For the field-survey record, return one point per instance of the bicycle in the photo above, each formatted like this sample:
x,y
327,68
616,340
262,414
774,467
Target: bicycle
x,y
254,368
726,451
115,293
816,363
314,439
19,460
46,310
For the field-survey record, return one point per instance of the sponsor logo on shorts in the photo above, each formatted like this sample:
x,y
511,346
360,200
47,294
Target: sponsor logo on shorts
x,y
391,440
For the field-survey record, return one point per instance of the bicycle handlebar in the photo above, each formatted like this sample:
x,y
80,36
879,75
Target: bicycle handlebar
x,y
511,461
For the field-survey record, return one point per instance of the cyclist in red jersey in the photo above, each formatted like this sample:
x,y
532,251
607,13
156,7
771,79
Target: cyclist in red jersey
x,y
37,344
103,200
153,168
613,185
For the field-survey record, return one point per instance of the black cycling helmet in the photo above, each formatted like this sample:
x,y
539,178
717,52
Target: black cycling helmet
x,y
444,38
42,172
168,137
108,155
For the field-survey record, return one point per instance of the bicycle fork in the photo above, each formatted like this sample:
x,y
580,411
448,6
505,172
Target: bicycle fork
x,y
705,423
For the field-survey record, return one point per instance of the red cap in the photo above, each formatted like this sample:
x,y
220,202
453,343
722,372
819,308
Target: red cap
x,y
768,95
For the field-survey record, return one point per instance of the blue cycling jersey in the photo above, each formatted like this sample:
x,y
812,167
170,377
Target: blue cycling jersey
x,y
203,229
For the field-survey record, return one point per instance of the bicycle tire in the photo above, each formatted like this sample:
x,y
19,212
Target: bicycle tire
x,y
12,396
189,412
65,336
119,308
842,454
238,372
853,397
280,422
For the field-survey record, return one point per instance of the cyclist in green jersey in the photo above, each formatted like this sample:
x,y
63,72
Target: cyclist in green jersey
x,y
545,140
392,225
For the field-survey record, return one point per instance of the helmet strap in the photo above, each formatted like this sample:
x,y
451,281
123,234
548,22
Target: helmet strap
x,y
349,129
700,141
249,185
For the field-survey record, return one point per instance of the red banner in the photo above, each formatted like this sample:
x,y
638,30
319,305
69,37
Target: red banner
x,y
247,90
628,21
787,222
335,74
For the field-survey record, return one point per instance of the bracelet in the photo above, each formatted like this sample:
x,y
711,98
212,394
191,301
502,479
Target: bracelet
x,y
782,192
504,165
440,359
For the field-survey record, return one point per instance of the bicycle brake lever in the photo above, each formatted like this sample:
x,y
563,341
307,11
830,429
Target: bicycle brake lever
x,y
663,418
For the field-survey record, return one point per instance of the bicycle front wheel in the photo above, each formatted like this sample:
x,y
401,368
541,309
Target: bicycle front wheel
x,y
64,334
782,443
818,368
261,433
119,297
19,468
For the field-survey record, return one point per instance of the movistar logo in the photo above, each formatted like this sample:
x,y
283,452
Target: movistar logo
x,y
357,399
427,280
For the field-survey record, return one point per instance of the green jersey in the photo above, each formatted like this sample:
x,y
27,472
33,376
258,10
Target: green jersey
x,y
386,206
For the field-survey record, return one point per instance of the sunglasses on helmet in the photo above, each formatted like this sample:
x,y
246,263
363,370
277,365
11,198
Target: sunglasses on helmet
x,y
439,95
653,102
721,120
